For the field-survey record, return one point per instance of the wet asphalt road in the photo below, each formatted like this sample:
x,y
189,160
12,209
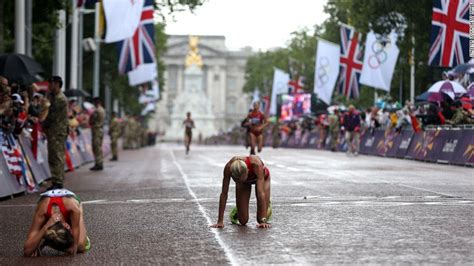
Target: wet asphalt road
x,y
154,206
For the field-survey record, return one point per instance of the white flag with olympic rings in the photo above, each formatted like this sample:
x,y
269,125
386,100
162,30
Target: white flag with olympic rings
x,y
380,58
327,69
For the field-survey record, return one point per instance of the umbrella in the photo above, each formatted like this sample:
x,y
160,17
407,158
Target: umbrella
x,y
447,86
20,68
423,97
436,97
462,69
470,90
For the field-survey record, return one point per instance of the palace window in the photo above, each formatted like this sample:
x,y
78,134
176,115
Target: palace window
x,y
231,83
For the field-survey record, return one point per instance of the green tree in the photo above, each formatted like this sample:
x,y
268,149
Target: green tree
x,y
260,67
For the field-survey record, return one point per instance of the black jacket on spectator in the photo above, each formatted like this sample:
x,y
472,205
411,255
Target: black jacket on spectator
x,y
351,121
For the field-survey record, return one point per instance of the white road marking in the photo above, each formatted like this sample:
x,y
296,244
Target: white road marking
x,y
94,201
226,249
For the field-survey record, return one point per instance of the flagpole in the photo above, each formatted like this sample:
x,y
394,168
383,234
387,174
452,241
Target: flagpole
x,y
74,46
19,26
412,70
96,90
79,51
345,25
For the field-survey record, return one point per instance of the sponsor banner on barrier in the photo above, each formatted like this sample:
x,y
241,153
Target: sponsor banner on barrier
x,y
292,141
464,151
405,141
305,139
42,156
448,145
367,143
312,140
342,145
454,146
38,173
422,144
379,145
394,143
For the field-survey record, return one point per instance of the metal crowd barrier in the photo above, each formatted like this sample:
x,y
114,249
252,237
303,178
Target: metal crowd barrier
x,y
36,170
442,144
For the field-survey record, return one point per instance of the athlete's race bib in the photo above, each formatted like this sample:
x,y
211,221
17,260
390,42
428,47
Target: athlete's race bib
x,y
58,193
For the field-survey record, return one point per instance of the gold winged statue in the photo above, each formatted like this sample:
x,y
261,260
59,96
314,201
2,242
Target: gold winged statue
x,y
193,57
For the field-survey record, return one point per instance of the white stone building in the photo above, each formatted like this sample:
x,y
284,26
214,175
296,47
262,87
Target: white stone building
x,y
223,80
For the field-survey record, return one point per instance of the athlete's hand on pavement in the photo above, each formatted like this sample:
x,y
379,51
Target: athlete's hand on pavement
x,y
217,225
264,225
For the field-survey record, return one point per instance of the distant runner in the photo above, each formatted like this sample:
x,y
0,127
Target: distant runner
x,y
188,131
58,223
257,123
246,171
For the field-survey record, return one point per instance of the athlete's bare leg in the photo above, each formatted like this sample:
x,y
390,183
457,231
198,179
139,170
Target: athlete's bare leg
x,y
187,142
260,143
82,233
242,196
253,143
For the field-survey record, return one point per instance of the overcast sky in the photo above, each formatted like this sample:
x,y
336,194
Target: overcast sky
x,y
261,24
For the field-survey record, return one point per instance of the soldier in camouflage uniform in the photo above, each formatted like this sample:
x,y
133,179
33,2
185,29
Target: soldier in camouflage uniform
x,y
136,135
460,116
114,133
96,121
334,129
55,126
126,132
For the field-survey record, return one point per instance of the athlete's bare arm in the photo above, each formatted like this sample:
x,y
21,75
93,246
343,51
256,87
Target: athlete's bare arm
x,y
265,122
75,213
260,189
223,196
37,230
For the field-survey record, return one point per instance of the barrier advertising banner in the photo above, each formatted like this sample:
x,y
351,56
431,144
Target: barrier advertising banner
x,y
405,141
423,144
464,151
367,143
448,143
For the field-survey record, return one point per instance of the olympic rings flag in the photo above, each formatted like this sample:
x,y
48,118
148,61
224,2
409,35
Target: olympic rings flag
x,y
327,69
380,58
280,85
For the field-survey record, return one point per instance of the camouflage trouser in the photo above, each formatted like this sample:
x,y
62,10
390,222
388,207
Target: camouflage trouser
x,y
56,157
334,139
97,137
352,139
127,143
114,146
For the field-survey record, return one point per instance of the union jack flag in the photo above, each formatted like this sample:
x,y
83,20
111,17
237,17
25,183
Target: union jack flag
x,y
140,49
351,63
296,85
449,42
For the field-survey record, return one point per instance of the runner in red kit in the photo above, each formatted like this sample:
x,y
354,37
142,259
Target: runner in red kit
x,y
257,123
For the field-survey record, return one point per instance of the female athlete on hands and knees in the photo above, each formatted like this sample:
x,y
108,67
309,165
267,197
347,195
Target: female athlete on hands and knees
x,y
58,223
246,171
